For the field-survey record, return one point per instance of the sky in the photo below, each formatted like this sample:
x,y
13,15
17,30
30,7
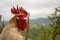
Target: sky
x,y
36,8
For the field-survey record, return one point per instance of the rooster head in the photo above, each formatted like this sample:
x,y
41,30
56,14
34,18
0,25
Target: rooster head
x,y
21,13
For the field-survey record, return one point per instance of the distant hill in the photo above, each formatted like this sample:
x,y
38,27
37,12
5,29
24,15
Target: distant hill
x,y
45,21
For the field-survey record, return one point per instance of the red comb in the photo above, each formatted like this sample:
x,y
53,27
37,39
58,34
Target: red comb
x,y
18,10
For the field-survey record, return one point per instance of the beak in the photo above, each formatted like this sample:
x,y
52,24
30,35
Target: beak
x,y
17,14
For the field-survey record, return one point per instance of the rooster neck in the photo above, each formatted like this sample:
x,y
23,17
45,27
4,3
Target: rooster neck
x,y
13,20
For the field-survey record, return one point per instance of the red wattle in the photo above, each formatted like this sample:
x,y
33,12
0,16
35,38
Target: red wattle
x,y
21,24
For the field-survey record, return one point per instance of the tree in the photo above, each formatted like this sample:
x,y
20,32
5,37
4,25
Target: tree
x,y
55,18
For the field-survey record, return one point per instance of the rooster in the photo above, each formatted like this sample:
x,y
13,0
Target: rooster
x,y
16,23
